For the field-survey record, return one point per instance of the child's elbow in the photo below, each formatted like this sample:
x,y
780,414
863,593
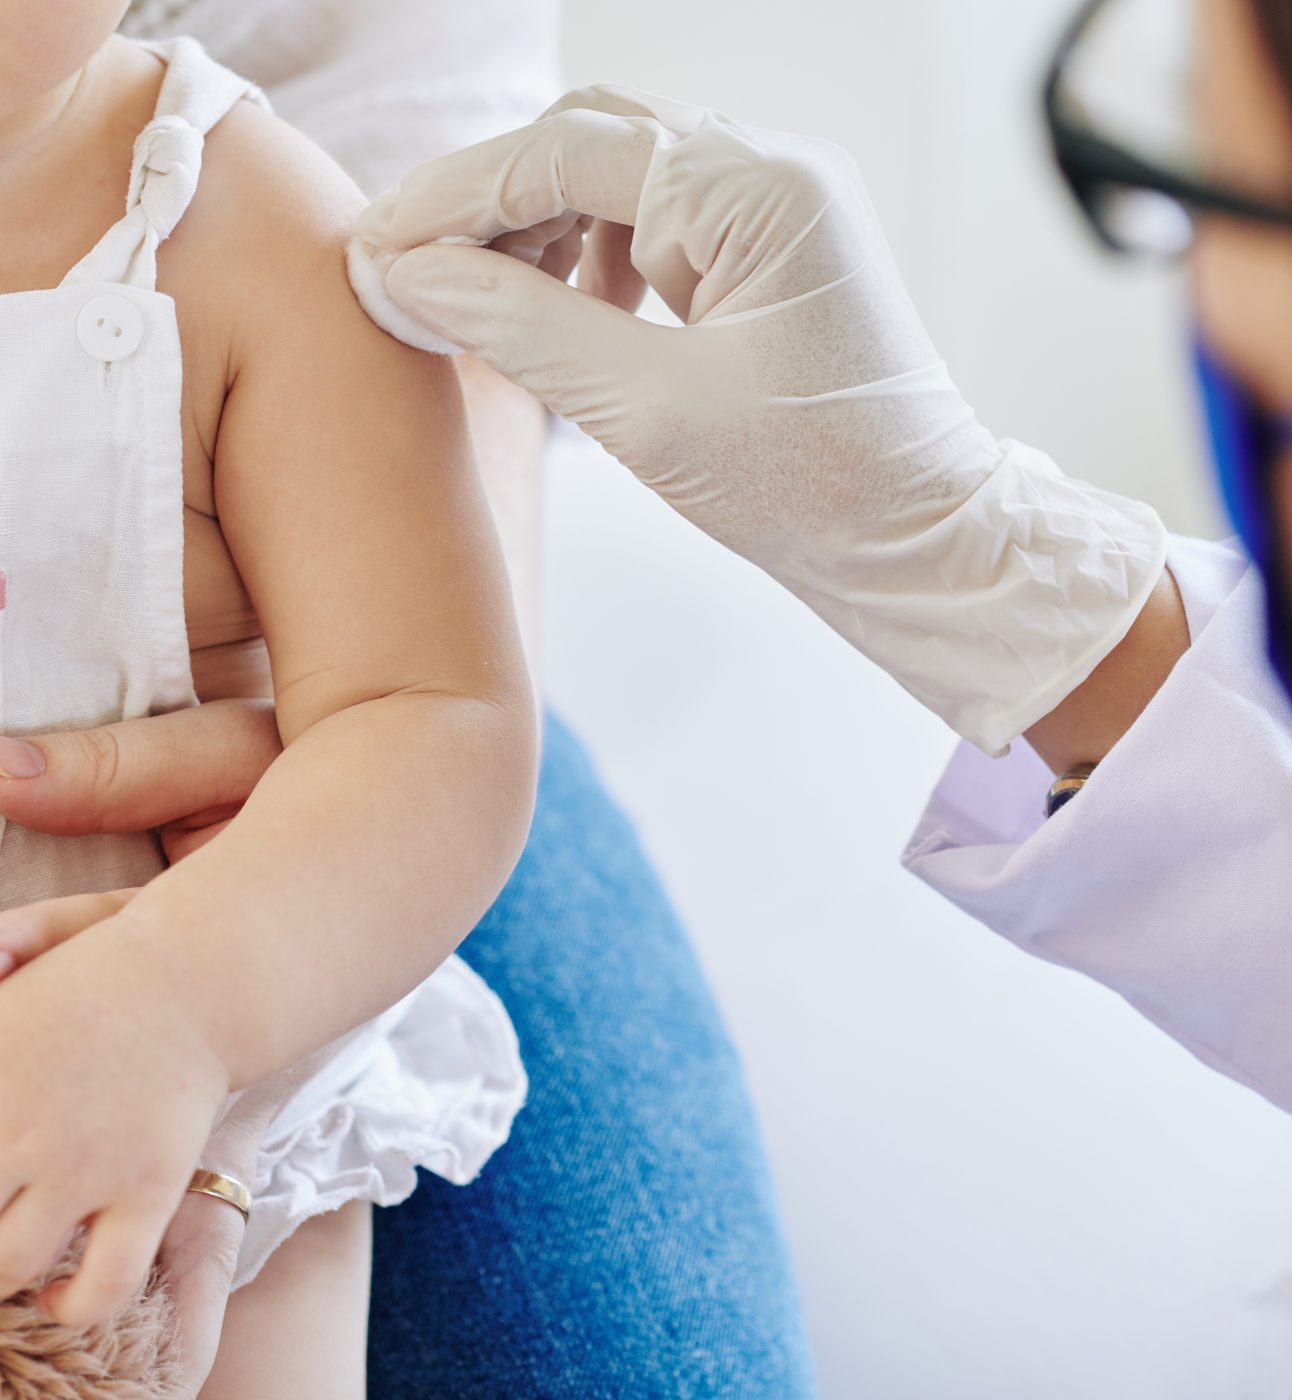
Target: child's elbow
x,y
520,745
469,762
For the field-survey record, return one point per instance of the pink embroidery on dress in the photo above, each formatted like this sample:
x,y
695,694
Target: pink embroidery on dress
x,y
4,588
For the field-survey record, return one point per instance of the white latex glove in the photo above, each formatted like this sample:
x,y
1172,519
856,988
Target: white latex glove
x,y
800,416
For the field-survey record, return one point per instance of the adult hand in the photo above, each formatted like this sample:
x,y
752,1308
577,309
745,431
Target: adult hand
x,y
199,1254
185,773
800,415
200,1251
124,777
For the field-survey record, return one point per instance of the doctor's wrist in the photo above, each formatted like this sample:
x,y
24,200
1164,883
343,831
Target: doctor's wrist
x,y
1086,725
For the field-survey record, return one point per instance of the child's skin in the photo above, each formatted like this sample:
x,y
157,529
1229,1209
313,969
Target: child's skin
x,y
332,508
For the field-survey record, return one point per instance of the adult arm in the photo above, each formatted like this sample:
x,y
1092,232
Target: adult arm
x,y
1169,877
1084,727
800,415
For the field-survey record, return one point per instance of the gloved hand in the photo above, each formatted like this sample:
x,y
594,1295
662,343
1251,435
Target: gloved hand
x,y
801,415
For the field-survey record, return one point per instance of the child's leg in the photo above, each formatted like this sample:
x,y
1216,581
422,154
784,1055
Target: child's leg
x,y
300,1331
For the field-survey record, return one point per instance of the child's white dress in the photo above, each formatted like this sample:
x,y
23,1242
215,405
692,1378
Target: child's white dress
x,y
92,630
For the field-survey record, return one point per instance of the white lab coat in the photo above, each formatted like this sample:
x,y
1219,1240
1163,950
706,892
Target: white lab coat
x,y
1169,877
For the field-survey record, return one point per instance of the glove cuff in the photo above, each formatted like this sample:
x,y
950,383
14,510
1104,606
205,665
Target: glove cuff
x,y
1086,563
997,612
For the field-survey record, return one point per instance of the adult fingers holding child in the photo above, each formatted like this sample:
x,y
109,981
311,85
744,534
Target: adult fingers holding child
x,y
185,774
163,1345
200,1251
128,776
165,771
29,930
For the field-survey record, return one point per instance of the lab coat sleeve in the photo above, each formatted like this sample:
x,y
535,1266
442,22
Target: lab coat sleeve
x,y
1169,877
383,85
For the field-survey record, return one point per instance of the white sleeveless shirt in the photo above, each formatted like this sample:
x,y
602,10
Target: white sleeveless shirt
x,y
92,631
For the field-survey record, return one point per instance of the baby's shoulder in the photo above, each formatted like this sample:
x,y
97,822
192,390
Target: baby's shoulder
x,y
266,229
264,186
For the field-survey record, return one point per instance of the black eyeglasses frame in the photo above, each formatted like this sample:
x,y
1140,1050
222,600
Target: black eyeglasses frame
x,y
1091,164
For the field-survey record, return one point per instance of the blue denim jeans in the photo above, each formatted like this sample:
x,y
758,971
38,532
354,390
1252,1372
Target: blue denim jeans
x,y
624,1243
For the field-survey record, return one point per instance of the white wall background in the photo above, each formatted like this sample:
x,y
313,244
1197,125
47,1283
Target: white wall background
x,y
998,1183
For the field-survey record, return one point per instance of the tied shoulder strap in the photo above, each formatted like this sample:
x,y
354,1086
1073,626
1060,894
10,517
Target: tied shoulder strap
x,y
195,94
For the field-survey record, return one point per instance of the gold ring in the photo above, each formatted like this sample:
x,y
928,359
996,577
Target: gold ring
x,y
223,1188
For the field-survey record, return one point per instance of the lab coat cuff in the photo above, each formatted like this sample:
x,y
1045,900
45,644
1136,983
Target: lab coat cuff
x,y
1170,876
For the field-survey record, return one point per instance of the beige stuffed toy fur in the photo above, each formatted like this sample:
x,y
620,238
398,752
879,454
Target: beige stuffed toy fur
x,y
133,1357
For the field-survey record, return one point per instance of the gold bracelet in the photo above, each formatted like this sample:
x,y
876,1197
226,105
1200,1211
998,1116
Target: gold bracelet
x,y
1066,787
223,1188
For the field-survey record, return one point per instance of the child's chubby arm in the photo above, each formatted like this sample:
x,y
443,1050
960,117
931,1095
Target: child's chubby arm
x,y
346,490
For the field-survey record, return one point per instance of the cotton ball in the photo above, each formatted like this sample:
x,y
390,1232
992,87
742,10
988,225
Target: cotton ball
x,y
368,267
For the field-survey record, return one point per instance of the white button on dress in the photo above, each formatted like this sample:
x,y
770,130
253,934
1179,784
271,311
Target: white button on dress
x,y
110,327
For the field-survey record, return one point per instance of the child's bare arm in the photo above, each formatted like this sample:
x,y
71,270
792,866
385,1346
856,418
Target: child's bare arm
x,y
346,491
